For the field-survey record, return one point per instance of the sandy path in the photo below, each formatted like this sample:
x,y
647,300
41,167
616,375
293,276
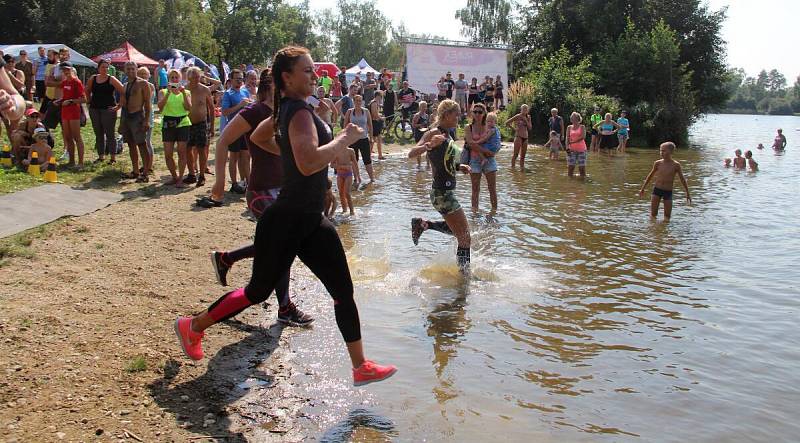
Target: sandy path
x,y
103,289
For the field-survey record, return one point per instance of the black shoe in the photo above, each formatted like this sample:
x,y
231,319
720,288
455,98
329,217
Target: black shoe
x,y
201,181
416,229
220,268
190,179
236,188
292,316
208,202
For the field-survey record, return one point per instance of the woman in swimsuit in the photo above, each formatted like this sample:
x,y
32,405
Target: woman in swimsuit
x,y
521,123
499,100
608,134
474,92
576,145
294,226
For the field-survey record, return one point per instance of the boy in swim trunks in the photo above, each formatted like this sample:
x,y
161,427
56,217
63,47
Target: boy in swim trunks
x,y
739,162
346,165
664,172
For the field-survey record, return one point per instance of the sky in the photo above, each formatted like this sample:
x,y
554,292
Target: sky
x,y
761,34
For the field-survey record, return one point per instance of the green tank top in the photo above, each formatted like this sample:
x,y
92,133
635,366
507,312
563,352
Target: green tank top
x,y
174,107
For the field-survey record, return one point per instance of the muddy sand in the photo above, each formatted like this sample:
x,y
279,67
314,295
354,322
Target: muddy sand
x,y
87,347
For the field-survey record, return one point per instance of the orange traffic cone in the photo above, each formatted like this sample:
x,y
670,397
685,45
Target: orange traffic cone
x,y
5,156
50,175
33,168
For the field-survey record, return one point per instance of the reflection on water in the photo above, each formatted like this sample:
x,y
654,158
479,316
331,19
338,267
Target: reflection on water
x,y
583,318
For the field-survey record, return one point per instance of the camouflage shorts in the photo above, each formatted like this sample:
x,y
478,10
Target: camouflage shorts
x,y
444,201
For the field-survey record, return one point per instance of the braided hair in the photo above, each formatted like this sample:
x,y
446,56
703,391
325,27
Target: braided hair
x,y
283,61
264,85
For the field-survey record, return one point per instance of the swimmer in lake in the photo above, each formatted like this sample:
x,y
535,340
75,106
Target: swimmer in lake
x,y
739,162
728,162
750,161
663,175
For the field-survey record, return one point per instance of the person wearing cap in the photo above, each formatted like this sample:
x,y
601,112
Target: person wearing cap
x,y
53,79
73,96
23,135
40,147
16,76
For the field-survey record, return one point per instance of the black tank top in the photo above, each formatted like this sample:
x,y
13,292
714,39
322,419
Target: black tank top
x,y
300,193
102,94
444,161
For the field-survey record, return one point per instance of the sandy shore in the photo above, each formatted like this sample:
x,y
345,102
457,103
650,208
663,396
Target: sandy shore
x,y
87,344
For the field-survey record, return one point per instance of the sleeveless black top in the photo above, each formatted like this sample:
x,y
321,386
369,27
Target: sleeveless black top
x,y
102,94
300,193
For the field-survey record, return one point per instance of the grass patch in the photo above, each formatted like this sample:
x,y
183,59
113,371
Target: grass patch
x,y
137,364
19,245
26,323
82,229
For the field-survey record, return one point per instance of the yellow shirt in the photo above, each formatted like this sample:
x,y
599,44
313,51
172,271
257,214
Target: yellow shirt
x,y
50,92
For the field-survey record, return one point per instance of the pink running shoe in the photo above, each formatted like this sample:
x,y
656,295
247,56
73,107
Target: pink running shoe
x,y
188,339
370,372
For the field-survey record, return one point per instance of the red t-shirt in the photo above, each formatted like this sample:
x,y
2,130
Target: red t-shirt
x,y
72,89
266,171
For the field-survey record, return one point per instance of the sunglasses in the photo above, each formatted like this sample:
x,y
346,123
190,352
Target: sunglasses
x,y
237,78
477,111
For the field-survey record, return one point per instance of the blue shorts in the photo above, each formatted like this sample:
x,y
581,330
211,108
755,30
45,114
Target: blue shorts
x,y
489,166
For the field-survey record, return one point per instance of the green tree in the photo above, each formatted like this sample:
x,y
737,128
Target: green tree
x,y
775,81
486,21
362,32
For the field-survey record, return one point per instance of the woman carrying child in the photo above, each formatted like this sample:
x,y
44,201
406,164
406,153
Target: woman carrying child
x,y
521,123
481,158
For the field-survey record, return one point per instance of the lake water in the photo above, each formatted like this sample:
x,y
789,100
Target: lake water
x,y
584,320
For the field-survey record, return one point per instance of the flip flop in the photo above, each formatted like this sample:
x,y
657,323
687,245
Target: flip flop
x,y
208,202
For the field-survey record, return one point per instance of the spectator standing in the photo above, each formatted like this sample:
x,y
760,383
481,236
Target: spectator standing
x,y
556,123
16,76
72,98
460,86
137,107
623,134
450,85
407,97
336,89
377,122
499,99
201,116
326,82
161,75
233,101
39,66
474,92
175,102
370,86
103,109
343,78
25,65
346,103
144,74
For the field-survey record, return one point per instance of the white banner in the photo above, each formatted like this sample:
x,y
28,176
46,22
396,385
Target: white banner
x,y
426,64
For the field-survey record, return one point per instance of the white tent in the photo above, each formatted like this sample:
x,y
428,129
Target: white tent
x,y
75,57
361,68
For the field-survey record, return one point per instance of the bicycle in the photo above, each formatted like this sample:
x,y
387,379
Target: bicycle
x,y
398,126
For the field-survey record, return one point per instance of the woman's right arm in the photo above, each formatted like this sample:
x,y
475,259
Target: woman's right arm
x,y
308,155
264,137
162,99
88,92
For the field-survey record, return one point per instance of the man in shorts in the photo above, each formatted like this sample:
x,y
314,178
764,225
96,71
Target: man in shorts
x,y
234,100
374,107
200,131
136,105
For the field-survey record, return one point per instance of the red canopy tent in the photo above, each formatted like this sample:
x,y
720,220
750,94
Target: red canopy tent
x,y
126,53
332,69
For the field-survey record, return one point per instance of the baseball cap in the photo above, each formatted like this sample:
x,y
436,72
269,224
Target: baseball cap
x,y
40,132
65,65
30,111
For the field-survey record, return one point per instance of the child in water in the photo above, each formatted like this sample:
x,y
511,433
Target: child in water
x,y
760,146
488,140
664,172
346,165
739,162
728,162
554,144
330,201
750,161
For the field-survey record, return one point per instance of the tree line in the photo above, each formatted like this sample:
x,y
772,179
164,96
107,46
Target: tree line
x,y
767,93
663,60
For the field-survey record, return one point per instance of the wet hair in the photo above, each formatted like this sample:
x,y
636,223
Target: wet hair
x,y
445,107
264,85
668,145
283,61
748,154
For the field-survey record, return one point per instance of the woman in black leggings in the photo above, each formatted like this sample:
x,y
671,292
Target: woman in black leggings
x,y
294,225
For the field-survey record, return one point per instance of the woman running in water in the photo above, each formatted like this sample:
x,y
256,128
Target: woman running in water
x,y
294,225
264,184
444,157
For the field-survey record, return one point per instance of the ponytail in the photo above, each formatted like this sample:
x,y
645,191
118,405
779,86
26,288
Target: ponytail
x,y
283,61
